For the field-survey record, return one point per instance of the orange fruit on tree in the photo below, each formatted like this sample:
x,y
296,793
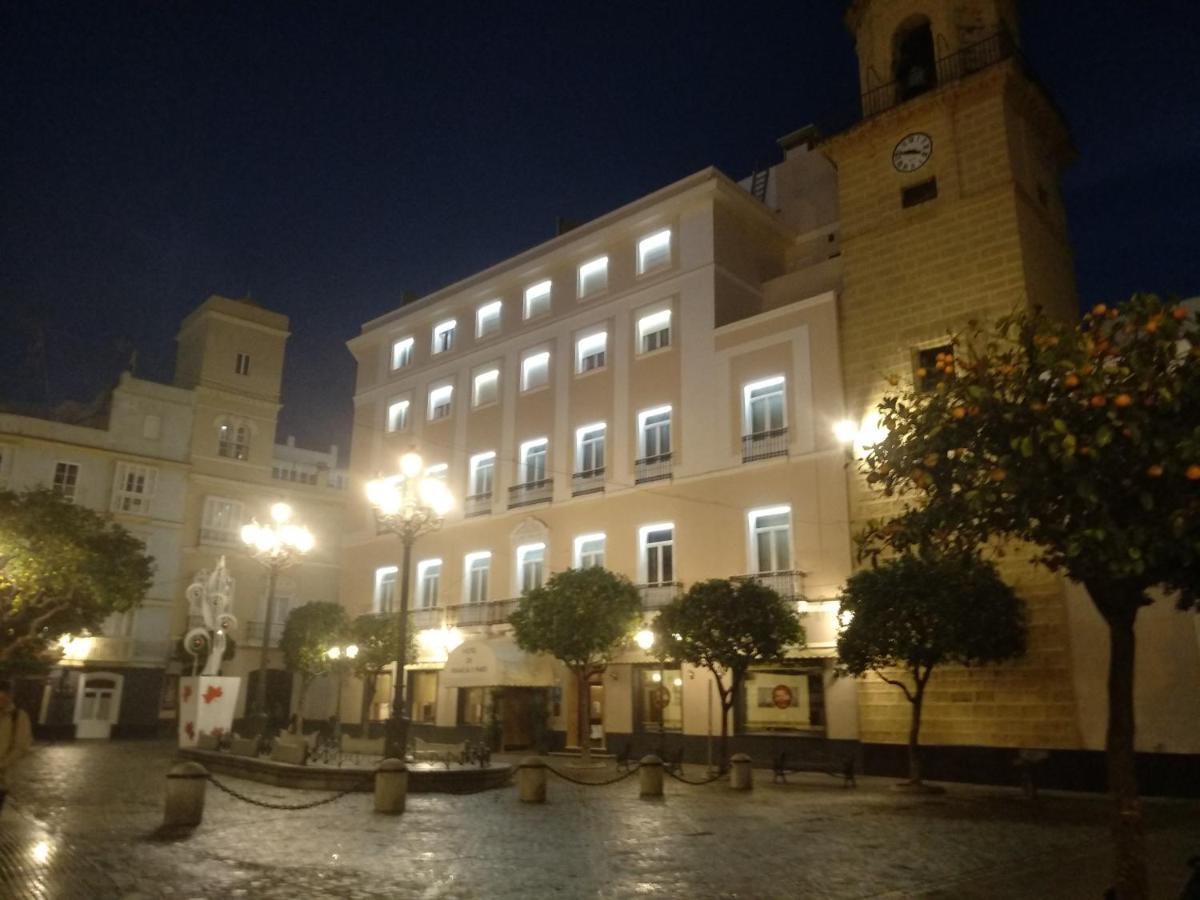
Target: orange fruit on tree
x,y
1122,400
1098,400
997,475
1193,472
1155,471
922,372
959,412
1180,313
1099,309
1071,381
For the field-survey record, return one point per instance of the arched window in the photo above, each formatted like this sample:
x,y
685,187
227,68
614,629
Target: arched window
x,y
915,63
233,440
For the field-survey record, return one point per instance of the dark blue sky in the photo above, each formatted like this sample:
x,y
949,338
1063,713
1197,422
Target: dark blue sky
x,y
324,157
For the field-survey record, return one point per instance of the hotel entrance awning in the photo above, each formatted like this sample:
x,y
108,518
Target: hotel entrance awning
x,y
496,662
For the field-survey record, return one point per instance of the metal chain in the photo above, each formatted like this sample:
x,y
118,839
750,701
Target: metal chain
x,y
679,777
268,805
565,777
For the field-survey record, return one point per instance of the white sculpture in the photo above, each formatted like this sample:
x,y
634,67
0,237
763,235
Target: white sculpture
x,y
210,598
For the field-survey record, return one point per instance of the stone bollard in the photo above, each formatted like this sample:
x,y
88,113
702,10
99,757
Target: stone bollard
x,y
650,777
741,774
531,780
186,782
391,786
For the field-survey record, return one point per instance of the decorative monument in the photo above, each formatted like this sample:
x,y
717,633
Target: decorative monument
x,y
207,701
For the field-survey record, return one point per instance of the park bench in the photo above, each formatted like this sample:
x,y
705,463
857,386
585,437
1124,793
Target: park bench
x,y
240,746
362,746
433,751
823,763
290,748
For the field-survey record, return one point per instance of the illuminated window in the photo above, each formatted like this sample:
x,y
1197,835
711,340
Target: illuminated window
x,y
535,371
233,441
654,331
654,251
537,299
533,461
657,562
133,488
443,336
771,539
385,589
486,387
589,551
531,563
589,449
439,402
429,576
654,432
482,473
402,352
397,415
763,406
590,352
487,319
478,568
593,276
66,480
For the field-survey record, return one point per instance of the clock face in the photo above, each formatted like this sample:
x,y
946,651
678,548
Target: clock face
x,y
912,152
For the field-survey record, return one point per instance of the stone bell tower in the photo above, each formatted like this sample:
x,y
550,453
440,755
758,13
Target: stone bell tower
x,y
950,210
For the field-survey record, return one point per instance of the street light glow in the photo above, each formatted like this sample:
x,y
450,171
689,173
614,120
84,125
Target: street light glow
x,y
644,638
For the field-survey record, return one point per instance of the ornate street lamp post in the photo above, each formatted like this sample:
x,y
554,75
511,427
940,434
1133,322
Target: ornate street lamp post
x,y
342,658
276,545
408,506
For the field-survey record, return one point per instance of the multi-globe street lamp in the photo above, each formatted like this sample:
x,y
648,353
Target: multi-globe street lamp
x,y
276,545
341,658
407,505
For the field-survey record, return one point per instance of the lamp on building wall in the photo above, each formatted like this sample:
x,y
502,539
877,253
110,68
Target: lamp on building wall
x,y
276,545
408,506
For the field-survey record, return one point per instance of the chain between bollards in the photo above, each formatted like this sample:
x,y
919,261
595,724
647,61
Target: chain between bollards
x,y
266,804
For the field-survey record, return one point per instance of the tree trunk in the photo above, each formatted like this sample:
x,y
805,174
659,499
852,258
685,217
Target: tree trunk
x,y
584,714
368,695
914,734
1129,834
726,706
304,683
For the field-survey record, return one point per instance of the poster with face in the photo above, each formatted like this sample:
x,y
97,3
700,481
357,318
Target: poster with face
x,y
207,704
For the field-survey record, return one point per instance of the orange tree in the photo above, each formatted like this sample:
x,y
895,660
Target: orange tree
x,y
1082,440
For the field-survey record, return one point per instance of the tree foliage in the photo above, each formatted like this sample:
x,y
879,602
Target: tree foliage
x,y
63,570
582,617
311,630
726,627
376,638
1083,440
918,612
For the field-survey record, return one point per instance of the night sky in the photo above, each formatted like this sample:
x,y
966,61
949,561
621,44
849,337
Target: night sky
x,y
324,157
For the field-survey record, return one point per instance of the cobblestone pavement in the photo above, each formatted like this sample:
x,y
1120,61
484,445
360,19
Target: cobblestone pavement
x,y
82,822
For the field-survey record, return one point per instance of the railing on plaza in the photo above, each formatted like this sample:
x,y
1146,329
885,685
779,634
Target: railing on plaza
x,y
787,584
765,444
652,468
995,48
530,492
589,481
477,504
252,635
656,596
491,612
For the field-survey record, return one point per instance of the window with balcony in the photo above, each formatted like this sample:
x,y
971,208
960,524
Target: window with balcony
x,y
66,480
487,319
771,539
533,461
531,565
133,488
593,276
537,299
397,415
658,554
654,331
482,475
535,371
590,449
654,251
590,352
485,388
429,576
478,567
443,336
221,521
654,444
402,353
439,402
764,413
385,589
589,551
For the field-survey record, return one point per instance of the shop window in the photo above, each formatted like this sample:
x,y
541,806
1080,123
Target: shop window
x,y
783,700
422,694
474,705
660,695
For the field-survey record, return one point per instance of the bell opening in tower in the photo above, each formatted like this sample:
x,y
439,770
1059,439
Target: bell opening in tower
x,y
915,64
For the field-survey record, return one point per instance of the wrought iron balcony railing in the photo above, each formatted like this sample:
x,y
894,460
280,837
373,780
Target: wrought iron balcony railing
x,y
765,444
787,584
652,468
431,617
656,596
588,481
478,504
530,492
491,612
